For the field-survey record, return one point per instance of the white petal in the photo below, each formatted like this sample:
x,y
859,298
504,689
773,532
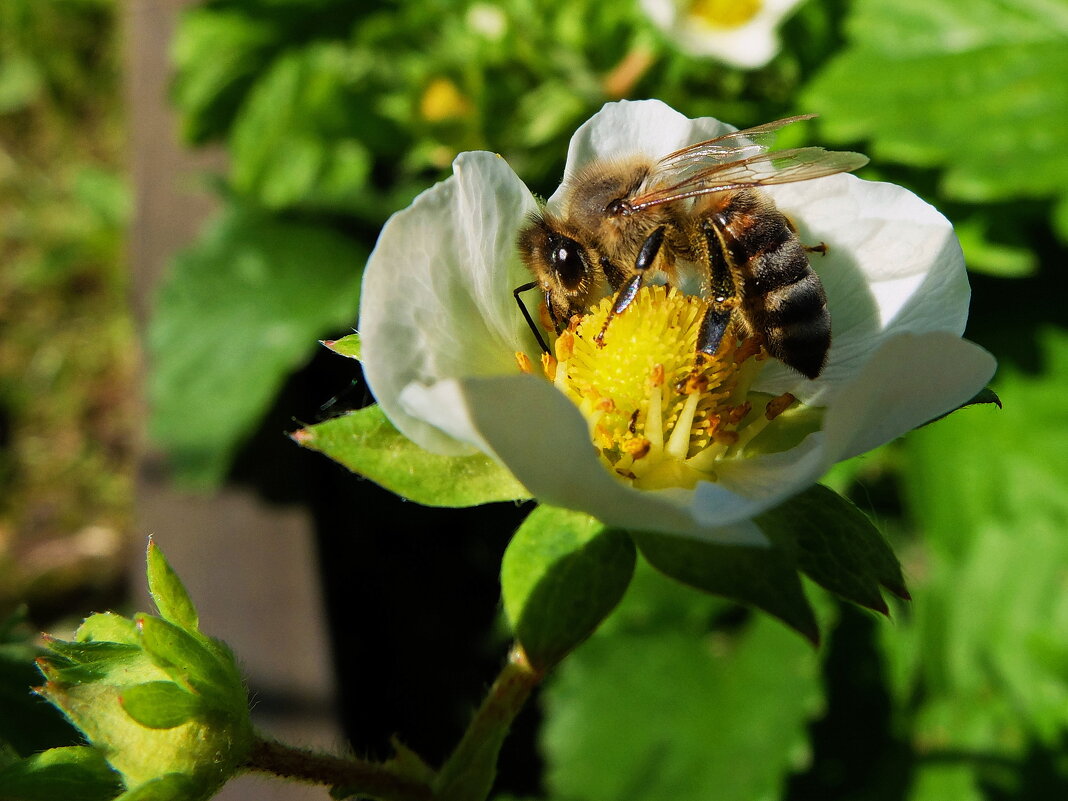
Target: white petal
x,y
910,380
437,291
747,47
542,438
625,128
893,264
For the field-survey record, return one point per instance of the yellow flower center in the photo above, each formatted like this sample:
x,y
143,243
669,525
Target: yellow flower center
x,y
661,414
724,13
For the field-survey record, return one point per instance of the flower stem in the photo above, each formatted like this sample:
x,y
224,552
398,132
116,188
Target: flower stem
x,y
357,777
469,772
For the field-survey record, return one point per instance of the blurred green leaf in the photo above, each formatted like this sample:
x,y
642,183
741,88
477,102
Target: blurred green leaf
x,y
980,233
296,142
366,442
985,646
218,55
242,308
971,86
20,83
562,573
75,773
658,704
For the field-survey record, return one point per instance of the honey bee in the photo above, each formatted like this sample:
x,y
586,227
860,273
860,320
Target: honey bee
x,y
695,219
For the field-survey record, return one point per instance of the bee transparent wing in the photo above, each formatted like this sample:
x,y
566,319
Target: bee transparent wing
x,y
729,147
680,180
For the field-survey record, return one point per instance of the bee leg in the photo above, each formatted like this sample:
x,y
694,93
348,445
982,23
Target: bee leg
x,y
644,260
623,298
821,248
713,327
526,314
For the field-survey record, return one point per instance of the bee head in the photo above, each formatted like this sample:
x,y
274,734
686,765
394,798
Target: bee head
x,y
562,266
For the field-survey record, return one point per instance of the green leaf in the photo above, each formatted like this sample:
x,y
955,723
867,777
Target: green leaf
x,y
160,704
366,442
836,546
763,577
973,86
296,141
346,346
562,573
76,773
167,591
242,309
659,705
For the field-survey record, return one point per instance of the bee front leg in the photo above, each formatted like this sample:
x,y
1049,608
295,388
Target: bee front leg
x,y
713,327
644,260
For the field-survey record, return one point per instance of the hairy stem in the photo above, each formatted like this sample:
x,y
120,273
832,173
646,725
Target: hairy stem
x,y
358,777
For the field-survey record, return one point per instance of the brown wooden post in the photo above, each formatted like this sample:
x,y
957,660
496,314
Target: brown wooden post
x,y
250,567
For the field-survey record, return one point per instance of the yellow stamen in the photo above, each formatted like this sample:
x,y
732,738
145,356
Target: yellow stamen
x,y
660,413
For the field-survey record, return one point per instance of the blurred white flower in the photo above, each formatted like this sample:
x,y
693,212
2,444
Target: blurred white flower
x,y
440,331
742,33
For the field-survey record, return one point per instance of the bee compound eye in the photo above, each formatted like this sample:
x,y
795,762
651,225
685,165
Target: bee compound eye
x,y
569,262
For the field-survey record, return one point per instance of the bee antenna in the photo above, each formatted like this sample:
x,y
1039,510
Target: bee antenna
x,y
526,314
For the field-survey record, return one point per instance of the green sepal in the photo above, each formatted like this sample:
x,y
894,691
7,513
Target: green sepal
x,y
817,533
92,652
562,573
107,627
75,773
170,787
835,545
766,578
367,443
185,659
983,396
167,591
346,346
160,704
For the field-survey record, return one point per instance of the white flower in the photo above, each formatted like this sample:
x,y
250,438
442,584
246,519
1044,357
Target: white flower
x,y
440,330
741,33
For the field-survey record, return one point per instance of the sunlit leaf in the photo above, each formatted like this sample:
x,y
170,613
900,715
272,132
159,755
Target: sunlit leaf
x,y
658,705
367,443
562,574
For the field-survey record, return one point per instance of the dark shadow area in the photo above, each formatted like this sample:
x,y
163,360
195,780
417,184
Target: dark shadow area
x,y
412,593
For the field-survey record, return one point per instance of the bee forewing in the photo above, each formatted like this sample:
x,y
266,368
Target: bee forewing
x,y
729,147
762,169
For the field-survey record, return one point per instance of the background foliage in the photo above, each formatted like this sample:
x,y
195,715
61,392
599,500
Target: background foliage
x,y
336,114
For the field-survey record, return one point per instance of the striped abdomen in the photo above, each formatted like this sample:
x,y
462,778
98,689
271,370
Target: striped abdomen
x,y
781,296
